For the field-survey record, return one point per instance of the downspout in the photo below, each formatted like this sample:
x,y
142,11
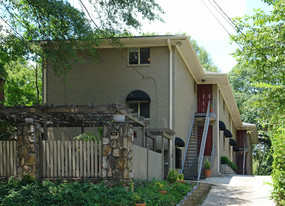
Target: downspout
x,y
218,130
170,83
170,101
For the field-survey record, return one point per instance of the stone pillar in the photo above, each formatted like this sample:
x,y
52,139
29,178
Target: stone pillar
x,y
117,153
28,151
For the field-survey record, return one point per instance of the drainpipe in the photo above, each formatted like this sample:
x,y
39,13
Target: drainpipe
x,y
218,128
170,99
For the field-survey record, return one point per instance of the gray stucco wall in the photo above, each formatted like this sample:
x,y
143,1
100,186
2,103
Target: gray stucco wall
x,y
112,79
184,99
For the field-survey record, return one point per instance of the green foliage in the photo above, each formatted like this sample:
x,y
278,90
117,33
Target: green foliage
x,y
20,84
14,192
180,177
59,25
204,57
278,166
172,175
262,37
88,136
225,160
207,164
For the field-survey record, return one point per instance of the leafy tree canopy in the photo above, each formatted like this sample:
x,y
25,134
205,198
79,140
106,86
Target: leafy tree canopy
x,y
65,29
262,38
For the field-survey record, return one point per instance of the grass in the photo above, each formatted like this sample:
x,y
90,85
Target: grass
x,y
27,192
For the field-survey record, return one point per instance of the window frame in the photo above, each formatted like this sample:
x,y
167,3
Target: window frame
x,y
139,56
139,106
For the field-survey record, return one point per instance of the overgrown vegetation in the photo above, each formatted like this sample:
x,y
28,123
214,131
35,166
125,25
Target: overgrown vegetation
x,y
27,192
225,160
261,37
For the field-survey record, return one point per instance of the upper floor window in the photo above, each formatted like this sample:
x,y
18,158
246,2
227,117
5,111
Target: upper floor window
x,y
139,101
139,56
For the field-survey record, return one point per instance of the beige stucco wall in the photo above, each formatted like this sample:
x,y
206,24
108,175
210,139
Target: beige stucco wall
x,y
184,100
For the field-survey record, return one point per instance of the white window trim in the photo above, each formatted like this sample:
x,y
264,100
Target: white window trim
x,y
139,106
139,57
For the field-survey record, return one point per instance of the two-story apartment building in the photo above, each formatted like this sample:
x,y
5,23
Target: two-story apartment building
x,y
160,78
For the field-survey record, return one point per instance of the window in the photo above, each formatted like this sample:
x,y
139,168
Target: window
x,y
139,101
139,56
142,108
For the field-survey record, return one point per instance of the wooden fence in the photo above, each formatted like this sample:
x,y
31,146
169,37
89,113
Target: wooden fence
x,y
71,159
146,164
7,158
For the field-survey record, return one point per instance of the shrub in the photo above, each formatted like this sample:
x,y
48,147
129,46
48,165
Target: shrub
x,y
84,193
172,175
278,166
207,164
225,160
180,177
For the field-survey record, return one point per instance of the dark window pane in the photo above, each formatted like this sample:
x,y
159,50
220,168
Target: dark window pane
x,y
133,56
144,55
134,106
144,109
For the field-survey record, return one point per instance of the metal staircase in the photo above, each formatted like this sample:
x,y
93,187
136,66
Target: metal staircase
x,y
193,159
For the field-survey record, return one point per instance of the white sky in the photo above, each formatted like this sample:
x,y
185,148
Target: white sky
x,y
193,18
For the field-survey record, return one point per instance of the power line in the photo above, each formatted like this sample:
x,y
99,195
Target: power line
x,y
220,23
239,31
107,38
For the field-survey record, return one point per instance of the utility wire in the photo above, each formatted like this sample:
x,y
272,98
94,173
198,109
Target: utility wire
x,y
239,31
116,49
221,23
107,38
229,21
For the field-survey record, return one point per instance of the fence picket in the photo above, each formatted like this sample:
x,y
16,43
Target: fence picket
x,y
7,158
68,158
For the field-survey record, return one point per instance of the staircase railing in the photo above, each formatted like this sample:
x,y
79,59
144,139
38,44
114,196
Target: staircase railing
x,y
203,142
185,156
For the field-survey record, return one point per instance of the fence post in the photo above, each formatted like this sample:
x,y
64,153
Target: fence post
x,y
117,153
28,158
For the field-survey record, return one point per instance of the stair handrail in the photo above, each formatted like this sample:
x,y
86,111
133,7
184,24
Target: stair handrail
x,y
190,132
203,142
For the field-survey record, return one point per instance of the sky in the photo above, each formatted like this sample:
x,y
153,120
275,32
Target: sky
x,y
194,18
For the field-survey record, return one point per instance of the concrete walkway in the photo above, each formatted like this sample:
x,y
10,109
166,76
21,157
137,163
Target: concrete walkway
x,y
239,190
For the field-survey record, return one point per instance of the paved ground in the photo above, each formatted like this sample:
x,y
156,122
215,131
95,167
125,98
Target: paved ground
x,y
239,190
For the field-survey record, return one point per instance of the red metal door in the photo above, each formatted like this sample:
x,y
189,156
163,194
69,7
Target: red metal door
x,y
208,146
241,136
240,164
204,93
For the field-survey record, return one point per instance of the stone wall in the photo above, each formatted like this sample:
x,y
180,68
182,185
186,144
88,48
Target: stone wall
x,y
225,169
117,153
28,150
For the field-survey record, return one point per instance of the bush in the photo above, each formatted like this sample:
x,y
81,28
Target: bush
x,y
278,166
225,160
172,176
207,164
84,193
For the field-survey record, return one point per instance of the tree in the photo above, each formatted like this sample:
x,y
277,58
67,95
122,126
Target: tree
x,y
246,95
66,31
21,85
262,39
204,57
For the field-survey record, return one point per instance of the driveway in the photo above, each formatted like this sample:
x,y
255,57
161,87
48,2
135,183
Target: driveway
x,y
239,190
